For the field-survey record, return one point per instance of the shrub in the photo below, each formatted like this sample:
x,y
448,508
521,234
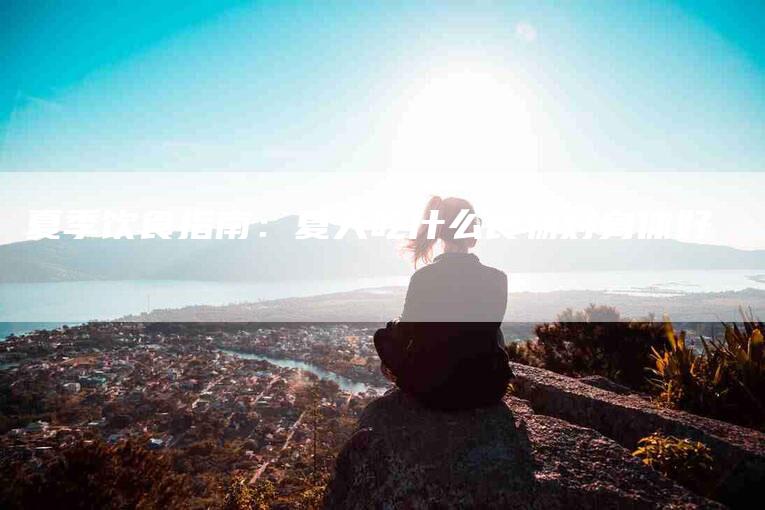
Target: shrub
x,y
239,496
308,493
595,341
680,375
726,380
94,475
686,462
263,495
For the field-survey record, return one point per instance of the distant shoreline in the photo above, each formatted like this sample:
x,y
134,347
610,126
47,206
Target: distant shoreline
x,y
372,305
74,302
25,308
381,304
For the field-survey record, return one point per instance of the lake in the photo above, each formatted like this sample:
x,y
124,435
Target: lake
x,y
58,303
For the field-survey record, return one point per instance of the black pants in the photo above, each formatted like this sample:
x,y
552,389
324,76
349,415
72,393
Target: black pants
x,y
443,377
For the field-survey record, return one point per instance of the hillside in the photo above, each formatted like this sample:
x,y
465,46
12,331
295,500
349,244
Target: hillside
x,y
383,304
279,256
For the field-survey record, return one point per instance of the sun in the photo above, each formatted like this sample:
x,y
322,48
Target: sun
x,y
465,120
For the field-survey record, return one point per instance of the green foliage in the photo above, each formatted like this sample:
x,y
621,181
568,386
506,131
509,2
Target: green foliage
x,y
263,495
595,341
726,380
681,375
689,463
93,475
310,495
238,496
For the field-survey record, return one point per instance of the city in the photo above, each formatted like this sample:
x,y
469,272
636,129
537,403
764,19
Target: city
x,y
174,389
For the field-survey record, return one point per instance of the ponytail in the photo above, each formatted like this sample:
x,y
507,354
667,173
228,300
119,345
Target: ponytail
x,y
421,247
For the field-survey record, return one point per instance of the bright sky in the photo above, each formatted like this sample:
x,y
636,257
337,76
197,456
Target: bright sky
x,y
398,99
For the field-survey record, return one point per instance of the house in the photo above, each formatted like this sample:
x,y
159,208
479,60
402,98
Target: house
x,y
72,387
37,426
93,381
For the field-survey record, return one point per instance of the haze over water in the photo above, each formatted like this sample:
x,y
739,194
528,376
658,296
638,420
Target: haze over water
x,y
71,302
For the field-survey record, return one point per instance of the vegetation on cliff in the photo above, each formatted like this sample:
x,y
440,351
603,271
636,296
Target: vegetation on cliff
x,y
594,341
722,378
725,380
689,463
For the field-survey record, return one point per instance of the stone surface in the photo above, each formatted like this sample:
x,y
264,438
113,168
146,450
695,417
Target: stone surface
x,y
505,456
607,384
739,452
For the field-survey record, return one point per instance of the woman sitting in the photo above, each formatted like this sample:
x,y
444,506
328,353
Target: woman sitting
x,y
447,349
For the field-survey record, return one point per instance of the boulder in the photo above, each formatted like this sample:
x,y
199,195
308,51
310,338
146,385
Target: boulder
x,y
739,452
506,456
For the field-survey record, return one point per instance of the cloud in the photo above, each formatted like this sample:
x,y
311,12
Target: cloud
x,y
526,32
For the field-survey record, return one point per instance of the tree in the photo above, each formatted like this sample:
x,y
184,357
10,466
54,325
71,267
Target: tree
x,y
93,475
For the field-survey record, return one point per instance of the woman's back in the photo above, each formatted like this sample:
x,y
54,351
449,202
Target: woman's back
x,y
456,287
452,316
447,350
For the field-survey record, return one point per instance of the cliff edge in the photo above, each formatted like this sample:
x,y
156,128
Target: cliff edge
x,y
506,456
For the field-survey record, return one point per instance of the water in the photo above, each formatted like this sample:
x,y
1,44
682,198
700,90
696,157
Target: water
x,y
648,283
46,305
344,383
62,302
19,328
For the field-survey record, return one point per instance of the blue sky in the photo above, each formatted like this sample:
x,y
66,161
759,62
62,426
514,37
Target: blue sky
x,y
322,86
404,98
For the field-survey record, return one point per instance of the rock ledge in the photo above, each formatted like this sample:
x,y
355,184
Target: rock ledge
x,y
739,452
505,456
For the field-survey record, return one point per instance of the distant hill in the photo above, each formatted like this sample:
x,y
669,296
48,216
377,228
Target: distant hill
x,y
381,304
280,256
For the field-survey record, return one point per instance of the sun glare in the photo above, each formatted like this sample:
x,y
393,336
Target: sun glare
x,y
465,120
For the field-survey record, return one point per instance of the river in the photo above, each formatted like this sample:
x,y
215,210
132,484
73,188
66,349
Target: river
x,y
344,383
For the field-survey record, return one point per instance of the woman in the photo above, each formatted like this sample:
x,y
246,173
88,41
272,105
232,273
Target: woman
x,y
447,350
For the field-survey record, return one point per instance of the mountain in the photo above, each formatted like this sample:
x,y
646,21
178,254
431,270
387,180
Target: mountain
x,y
280,256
